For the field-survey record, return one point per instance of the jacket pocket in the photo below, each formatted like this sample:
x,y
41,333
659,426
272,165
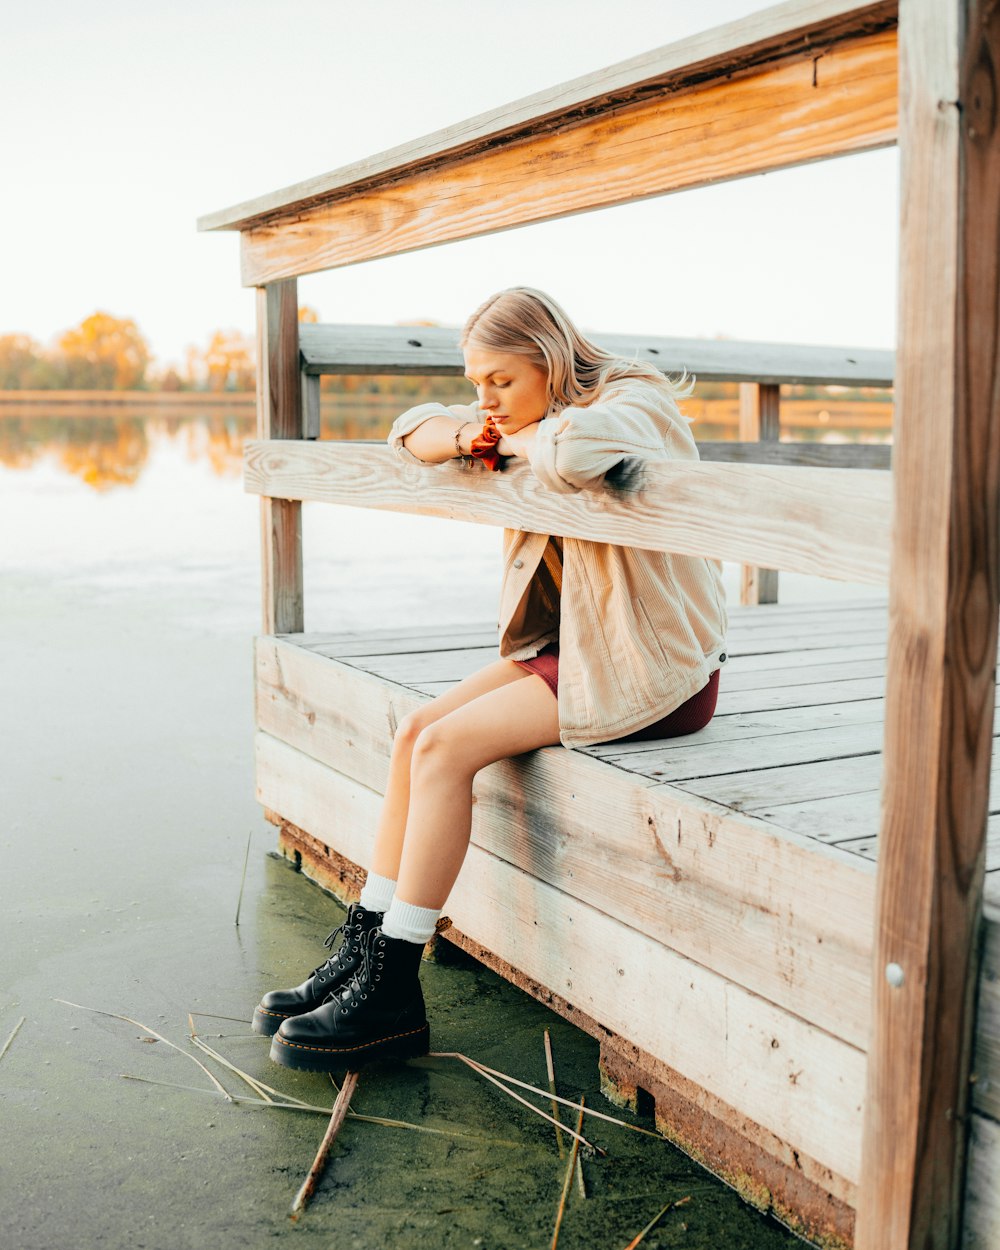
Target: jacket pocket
x,y
650,634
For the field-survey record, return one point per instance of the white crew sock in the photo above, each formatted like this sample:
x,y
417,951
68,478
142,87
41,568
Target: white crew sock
x,y
411,923
377,892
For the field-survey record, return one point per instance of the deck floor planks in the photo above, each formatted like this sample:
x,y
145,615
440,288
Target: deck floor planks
x,y
797,736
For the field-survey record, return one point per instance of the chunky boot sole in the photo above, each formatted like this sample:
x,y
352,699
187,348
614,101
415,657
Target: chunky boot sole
x,y
410,1044
266,1022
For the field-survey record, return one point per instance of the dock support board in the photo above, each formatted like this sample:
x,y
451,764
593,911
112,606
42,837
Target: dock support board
x,y
760,422
944,602
279,415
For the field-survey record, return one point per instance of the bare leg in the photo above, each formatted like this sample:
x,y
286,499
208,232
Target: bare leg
x,y
395,806
519,716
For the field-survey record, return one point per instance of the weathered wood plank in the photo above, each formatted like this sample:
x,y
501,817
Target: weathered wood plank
x,y
944,598
599,835
434,351
804,29
685,763
794,1079
982,1194
814,455
798,783
812,695
986,1062
760,422
279,416
830,522
782,113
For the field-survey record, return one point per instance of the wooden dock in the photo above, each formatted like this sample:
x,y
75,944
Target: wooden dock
x,y
703,906
785,931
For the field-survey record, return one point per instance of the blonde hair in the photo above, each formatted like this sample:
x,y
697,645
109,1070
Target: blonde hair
x,y
527,322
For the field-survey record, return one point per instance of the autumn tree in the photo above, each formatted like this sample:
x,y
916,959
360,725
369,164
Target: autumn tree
x,y
24,365
228,362
104,353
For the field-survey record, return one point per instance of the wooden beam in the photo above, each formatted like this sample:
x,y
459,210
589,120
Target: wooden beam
x,y
797,27
692,131
760,421
279,416
817,455
944,599
828,522
434,350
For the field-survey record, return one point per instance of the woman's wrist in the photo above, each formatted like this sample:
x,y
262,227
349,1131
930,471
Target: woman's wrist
x,y
459,431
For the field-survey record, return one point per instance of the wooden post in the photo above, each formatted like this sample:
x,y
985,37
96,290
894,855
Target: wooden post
x,y
279,415
944,601
760,406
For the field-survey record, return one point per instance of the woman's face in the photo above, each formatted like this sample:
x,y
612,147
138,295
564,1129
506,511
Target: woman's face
x,y
508,386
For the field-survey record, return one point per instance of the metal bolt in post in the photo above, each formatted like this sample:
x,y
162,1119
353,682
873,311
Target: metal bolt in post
x,y
894,975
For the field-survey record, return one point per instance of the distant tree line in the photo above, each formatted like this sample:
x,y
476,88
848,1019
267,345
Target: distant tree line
x,y
110,353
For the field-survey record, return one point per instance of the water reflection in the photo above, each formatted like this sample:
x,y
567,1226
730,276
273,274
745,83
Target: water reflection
x,y
108,446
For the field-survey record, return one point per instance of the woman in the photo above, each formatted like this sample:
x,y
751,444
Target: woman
x,y
597,643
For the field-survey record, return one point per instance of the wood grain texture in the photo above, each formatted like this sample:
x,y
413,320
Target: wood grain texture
x,y
434,351
694,878
799,28
982,1194
986,1090
785,113
831,522
760,422
944,597
792,1078
279,416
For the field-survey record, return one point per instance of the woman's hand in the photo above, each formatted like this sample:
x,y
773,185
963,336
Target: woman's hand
x,y
519,443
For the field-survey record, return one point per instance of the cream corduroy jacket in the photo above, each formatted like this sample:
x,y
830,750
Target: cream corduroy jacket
x,y
639,632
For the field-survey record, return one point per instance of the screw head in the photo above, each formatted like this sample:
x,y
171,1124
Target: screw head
x,y
894,975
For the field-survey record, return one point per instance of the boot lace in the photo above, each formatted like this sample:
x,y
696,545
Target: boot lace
x,y
331,966
363,979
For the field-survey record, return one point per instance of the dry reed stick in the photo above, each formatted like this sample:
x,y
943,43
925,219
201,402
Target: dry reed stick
x,y
579,1173
551,1070
308,1107
211,1015
485,1073
254,1085
447,1054
243,879
319,1163
568,1180
159,1037
655,1220
7,1043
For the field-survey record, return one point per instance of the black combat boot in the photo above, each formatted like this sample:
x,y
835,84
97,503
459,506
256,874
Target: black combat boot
x,y
378,1015
344,962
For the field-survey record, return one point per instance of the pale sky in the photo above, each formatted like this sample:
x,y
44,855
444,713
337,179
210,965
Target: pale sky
x,y
124,122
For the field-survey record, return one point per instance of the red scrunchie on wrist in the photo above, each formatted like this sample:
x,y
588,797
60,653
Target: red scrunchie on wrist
x,y
484,446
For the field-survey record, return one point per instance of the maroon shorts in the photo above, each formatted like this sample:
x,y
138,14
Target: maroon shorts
x,y
686,719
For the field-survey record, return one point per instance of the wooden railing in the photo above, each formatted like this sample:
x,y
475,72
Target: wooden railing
x,y
798,82
760,369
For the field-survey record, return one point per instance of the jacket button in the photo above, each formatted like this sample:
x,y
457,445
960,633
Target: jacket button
x,y
723,657
519,564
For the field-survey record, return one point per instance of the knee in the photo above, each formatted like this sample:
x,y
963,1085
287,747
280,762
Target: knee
x,y
435,749
409,730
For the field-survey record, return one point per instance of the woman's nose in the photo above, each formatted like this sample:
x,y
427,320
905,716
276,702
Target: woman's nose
x,y
487,399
